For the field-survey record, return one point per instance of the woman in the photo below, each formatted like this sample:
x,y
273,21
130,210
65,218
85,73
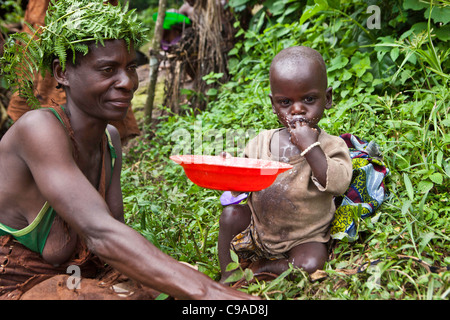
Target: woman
x,y
60,196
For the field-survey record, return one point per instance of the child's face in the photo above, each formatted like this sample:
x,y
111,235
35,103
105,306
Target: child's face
x,y
299,94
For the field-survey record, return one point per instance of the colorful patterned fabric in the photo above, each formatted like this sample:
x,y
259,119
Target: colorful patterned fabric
x,y
248,246
366,192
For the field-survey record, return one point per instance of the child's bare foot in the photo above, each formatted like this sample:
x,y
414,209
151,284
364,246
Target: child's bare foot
x,y
259,266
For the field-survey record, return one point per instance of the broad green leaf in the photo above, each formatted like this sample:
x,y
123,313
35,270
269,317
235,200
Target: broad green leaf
x,y
406,206
395,52
235,276
337,63
212,92
408,186
437,178
313,10
414,4
232,266
424,186
425,239
234,256
248,274
438,14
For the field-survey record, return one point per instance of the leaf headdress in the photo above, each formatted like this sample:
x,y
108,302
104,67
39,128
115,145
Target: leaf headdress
x,y
69,25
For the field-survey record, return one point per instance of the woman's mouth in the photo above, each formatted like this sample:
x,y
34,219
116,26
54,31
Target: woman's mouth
x,y
124,103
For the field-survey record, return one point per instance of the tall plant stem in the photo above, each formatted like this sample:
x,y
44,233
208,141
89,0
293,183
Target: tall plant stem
x,y
154,61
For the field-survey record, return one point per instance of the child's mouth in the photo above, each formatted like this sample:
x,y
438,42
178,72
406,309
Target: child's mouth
x,y
300,119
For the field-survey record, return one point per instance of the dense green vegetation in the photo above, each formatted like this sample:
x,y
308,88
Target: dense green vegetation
x,y
390,85
389,69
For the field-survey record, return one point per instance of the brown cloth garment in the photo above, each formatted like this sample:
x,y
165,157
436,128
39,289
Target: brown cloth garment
x,y
296,209
25,275
46,86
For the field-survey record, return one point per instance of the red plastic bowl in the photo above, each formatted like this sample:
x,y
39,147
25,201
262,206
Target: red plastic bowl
x,y
230,174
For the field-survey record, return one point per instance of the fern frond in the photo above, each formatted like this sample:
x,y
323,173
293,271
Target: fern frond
x,y
68,25
80,47
60,51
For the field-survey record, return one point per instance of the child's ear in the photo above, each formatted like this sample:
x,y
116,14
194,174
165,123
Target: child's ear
x,y
271,101
329,98
59,74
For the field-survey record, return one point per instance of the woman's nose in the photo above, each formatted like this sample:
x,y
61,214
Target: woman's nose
x,y
125,81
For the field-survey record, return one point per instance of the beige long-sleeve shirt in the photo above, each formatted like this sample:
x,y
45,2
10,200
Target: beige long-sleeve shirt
x,y
296,209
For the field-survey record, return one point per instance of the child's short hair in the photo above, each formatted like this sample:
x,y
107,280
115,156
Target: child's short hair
x,y
293,56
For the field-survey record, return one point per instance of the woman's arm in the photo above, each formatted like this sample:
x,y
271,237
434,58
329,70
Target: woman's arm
x,y
114,197
47,151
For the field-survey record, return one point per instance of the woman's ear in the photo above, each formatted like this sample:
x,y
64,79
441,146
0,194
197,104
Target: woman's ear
x,y
59,74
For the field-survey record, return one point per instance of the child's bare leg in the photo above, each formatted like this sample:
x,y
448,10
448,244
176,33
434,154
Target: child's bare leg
x,y
233,220
307,256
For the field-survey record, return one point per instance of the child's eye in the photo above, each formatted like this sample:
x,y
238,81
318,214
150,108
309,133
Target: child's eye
x,y
310,99
285,102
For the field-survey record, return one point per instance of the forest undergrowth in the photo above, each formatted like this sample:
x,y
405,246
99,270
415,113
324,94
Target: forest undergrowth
x,y
390,83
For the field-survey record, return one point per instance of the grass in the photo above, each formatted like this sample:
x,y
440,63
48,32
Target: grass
x,y
408,235
399,98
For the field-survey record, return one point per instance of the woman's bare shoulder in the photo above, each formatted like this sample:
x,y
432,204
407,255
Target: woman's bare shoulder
x,y
38,131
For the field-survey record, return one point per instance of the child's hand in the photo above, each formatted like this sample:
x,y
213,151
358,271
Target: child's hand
x,y
302,134
225,155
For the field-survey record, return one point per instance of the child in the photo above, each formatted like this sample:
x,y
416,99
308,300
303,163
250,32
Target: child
x,y
62,206
289,222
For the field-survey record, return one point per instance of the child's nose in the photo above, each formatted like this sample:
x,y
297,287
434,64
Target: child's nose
x,y
298,108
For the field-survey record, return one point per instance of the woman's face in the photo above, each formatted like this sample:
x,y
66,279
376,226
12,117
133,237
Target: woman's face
x,y
103,82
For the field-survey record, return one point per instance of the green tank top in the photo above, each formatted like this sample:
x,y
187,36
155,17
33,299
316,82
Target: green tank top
x,y
35,234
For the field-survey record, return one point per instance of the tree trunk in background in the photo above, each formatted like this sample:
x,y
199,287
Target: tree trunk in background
x,y
154,61
203,49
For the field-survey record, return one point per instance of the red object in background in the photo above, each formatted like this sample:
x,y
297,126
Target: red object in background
x,y
230,174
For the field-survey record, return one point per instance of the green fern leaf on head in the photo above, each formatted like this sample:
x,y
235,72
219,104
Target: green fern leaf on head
x,y
69,26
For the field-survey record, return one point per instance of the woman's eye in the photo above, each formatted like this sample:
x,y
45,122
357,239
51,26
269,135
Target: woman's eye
x,y
108,70
132,67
